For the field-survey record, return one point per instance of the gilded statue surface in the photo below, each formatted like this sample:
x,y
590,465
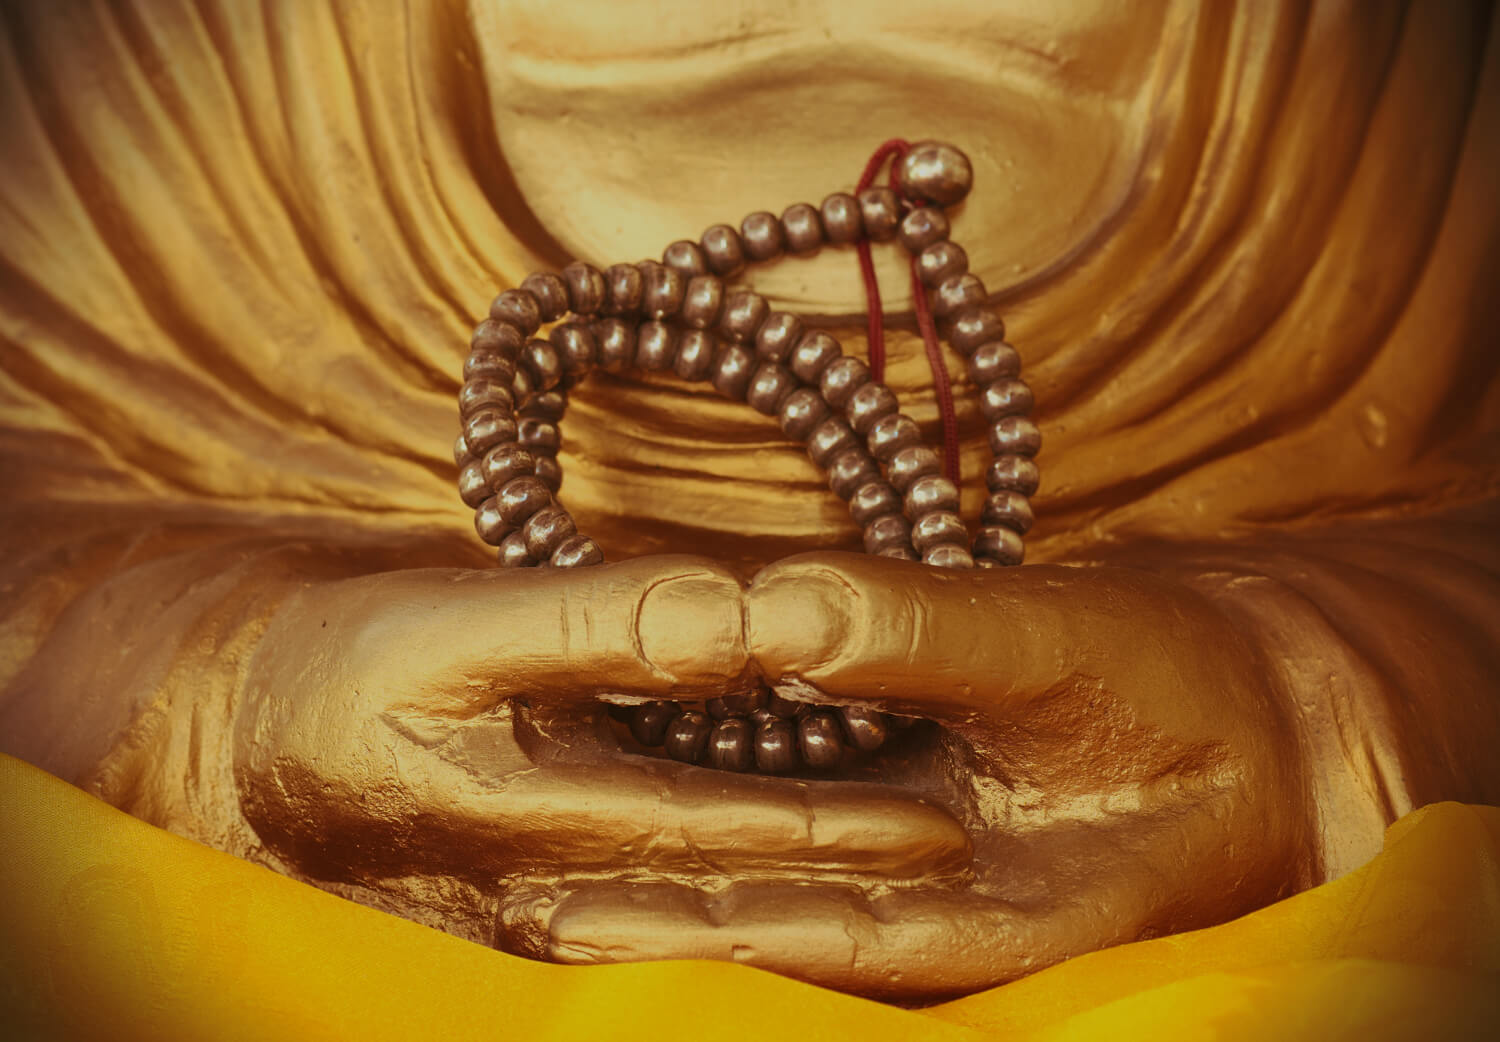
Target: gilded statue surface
x,y
1247,254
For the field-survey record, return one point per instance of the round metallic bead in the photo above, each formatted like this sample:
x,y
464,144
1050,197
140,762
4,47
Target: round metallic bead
x,y
776,747
778,336
576,346
921,228
550,292
804,228
820,740
550,471
507,461
523,385
786,708
487,428
947,555
930,492
972,328
586,292
542,363
702,300
1013,473
1009,510
649,723
731,745
577,551
655,347
841,379
623,287
873,499
484,393
723,250
490,523
461,453
1013,436
695,355
993,361
886,531
830,438
513,552
936,172
892,433
880,213
732,370
538,436
521,497
1008,397
910,464
742,704
769,386
662,289
519,308
545,531
763,236
472,488
815,352
685,256
489,365
958,292
546,405
940,261
868,405
899,553
866,729
743,315
940,526
842,222
801,413
616,340
687,737
497,337
999,544
850,470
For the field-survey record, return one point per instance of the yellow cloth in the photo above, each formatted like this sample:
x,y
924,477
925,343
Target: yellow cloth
x,y
110,928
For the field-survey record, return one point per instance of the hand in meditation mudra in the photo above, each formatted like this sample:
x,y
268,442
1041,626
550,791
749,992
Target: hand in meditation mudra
x,y
1244,254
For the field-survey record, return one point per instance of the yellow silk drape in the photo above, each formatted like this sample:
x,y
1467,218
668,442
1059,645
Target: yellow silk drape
x,y
111,928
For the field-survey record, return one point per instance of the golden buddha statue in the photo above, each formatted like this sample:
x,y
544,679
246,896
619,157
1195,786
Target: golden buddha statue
x,y
1244,252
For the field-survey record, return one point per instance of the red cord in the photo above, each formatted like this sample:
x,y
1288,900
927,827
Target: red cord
x,y
896,148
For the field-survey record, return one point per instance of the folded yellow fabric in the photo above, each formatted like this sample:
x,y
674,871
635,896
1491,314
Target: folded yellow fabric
x,y
110,928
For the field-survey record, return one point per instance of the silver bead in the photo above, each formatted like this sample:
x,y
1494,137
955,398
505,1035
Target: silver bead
x,y
850,470
1009,510
921,228
497,337
731,745
484,393
841,218
507,461
687,737
1014,473
538,436
958,292
763,236
936,172
866,729
776,747
577,551
892,433
941,526
723,250
769,386
576,346
1012,436
813,354
685,256
655,347
880,213
472,488
513,552
585,287
490,523
929,493
550,293
519,308
942,260
947,555
820,740
702,300
616,340
623,287
490,365
873,499
545,531
830,438
487,428
909,464
743,315
801,413
804,228
662,289
550,471
732,371
993,361
521,497
695,355
1001,545
1005,398
778,336
868,405
542,363
841,379
972,328
648,724
886,531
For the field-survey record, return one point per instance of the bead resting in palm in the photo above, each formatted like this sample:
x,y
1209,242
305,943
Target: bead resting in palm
x,y
1239,251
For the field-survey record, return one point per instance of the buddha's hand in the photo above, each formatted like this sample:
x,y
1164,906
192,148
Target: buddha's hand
x,y
1105,762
